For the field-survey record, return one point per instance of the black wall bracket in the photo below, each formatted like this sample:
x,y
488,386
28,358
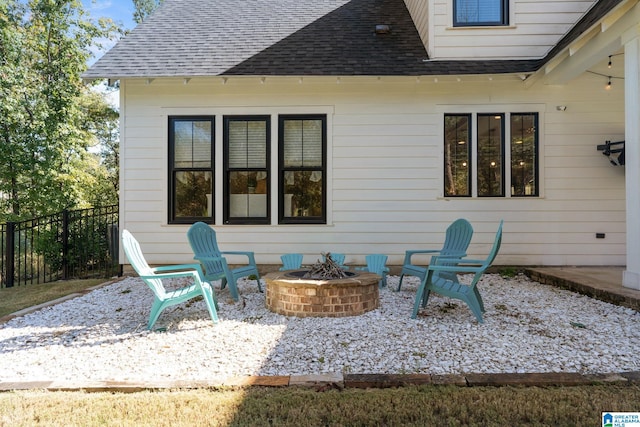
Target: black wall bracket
x,y
613,150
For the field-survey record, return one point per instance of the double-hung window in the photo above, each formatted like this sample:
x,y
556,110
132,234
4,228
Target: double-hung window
x,y
191,169
475,160
245,169
480,13
524,154
490,150
457,155
302,163
246,155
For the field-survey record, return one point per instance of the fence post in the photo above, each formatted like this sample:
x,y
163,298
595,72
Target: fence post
x,y
65,244
10,251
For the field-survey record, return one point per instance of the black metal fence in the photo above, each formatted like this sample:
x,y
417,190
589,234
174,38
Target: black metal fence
x,y
76,244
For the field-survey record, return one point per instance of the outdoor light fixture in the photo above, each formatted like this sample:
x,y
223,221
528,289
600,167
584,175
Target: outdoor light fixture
x,y
608,76
383,29
610,63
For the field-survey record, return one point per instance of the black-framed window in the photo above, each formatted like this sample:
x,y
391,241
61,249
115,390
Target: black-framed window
x,y
480,13
302,146
490,162
246,165
457,155
524,154
191,173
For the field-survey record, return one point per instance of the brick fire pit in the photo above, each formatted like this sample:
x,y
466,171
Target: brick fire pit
x,y
294,296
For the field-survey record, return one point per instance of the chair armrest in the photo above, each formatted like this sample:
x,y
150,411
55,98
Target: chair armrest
x,y
196,275
187,268
457,268
209,258
177,267
409,254
221,259
458,260
250,255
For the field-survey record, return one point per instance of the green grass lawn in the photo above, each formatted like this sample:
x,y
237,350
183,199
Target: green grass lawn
x,y
302,407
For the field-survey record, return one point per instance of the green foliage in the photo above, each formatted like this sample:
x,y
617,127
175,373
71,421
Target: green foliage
x,y
508,272
144,8
44,162
87,242
101,166
48,244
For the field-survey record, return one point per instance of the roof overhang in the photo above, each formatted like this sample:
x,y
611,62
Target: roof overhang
x,y
604,38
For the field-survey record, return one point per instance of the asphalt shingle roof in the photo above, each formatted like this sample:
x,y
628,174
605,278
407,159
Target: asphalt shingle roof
x,y
266,37
188,38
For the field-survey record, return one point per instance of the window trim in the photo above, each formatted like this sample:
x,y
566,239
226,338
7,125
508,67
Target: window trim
x,y
226,170
503,159
470,156
536,163
282,219
508,110
172,169
504,17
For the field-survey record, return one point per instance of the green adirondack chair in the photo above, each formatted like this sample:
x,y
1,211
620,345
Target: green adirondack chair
x,y
442,278
291,262
456,241
204,244
153,278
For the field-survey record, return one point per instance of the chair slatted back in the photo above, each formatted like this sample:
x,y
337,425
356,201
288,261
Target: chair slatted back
x,y
376,263
291,261
204,243
139,263
457,237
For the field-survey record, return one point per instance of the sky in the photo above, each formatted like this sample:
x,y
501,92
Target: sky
x,y
120,11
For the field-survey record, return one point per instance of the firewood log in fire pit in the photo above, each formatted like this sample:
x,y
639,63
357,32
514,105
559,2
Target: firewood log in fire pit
x,y
326,270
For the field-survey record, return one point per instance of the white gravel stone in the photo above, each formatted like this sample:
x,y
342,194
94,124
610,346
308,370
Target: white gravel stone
x,y
528,327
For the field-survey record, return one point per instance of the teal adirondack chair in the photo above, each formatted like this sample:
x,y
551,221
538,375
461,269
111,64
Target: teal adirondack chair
x,y
153,278
377,263
442,279
204,244
456,241
291,262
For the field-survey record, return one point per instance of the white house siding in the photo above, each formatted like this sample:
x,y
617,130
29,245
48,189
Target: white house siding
x,y
419,11
534,28
385,167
